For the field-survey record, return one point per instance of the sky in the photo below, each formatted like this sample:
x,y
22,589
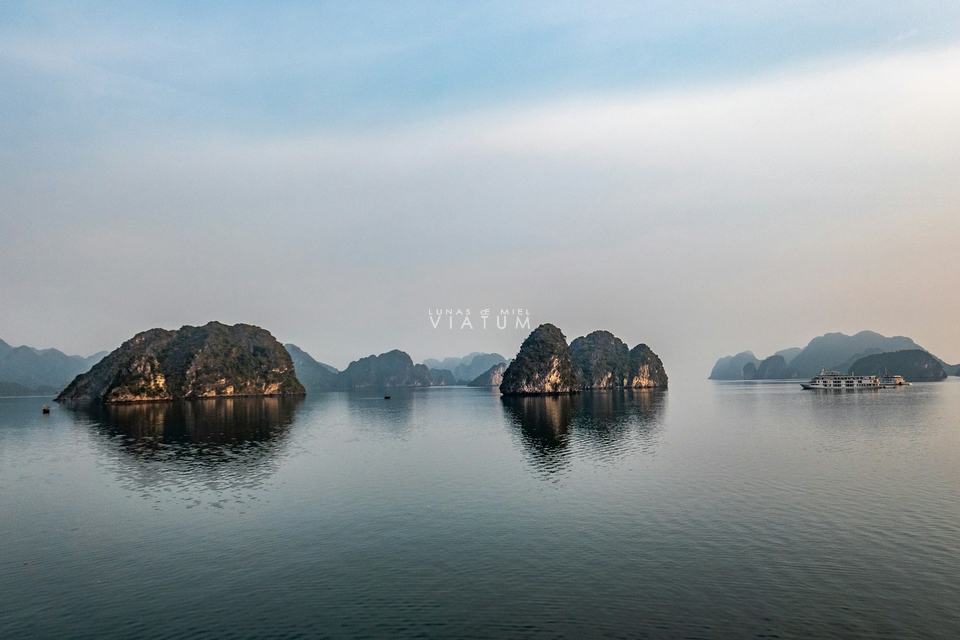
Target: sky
x,y
702,177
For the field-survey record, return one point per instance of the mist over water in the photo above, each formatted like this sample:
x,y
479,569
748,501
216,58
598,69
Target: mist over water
x,y
711,509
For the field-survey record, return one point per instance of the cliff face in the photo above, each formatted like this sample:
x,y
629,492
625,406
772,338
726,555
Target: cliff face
x,y
492,377
915,365
772,368
392,369
645,369
600,361
543,365
315,376
211,361
442,378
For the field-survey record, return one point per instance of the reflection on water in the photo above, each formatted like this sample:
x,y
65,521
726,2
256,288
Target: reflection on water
x,y
215,421
214,443
608,424
613,423
544,425
374,413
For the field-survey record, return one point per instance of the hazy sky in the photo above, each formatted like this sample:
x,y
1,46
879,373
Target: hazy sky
x,y
702,178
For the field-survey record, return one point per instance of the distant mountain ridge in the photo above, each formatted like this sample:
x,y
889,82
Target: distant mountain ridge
x,y
831,351
387,370
313,375
28,371
469,367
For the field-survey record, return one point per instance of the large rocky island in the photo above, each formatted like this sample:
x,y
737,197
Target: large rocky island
x,y
599,360
831,351
916,365
211,361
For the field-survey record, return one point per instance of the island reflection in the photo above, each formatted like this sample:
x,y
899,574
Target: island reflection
x,y
606,424
216,443
215,421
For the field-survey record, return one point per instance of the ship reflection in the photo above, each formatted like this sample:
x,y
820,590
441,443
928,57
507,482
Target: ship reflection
x,y
596,424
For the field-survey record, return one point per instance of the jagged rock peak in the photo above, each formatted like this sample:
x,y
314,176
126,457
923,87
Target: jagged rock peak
x,y
543,365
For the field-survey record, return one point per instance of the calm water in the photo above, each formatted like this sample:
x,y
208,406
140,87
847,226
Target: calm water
x,y
712,510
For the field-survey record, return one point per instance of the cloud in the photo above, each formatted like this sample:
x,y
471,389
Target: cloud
x,y
686,218
906,35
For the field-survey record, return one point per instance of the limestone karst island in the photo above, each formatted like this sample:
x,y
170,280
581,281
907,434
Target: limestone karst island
x,y
221,361
211,361
599,360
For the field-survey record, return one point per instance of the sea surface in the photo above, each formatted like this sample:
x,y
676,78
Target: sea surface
x,y
712,510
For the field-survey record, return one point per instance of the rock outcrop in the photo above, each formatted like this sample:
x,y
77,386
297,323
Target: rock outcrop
x,y
645,369
392,369
772,368
543,365
600,361
492,377
211,361
442,378
731,367
315,376
915,365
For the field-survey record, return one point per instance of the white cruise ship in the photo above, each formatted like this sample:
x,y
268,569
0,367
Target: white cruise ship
x,y
889,382
836,381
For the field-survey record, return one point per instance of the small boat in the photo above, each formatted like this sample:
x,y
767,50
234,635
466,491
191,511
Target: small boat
x,y
46,409
386,397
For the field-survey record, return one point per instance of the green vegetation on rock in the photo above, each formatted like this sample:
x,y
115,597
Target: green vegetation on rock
x,y
214,360
543,365
600,360
392,369
645,370
915,365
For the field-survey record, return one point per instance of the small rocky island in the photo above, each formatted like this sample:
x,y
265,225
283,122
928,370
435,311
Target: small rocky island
x,y
211,361
492,377
599,360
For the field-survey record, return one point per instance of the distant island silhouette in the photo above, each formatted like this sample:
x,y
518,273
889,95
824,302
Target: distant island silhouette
x,y
831,351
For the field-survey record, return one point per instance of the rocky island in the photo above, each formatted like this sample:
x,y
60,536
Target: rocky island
x,y
599,360
492,377
543,365
391,369
211,361
915,365
314,375
831,351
